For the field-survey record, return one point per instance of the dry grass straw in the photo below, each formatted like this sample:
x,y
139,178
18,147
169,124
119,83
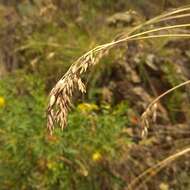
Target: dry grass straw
x,y
150,113
149,173
61,94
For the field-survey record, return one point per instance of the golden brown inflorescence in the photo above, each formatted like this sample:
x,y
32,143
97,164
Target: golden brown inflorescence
x,y
62,93
150,114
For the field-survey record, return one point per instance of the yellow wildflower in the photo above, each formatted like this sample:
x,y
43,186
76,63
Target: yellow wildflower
x,y
51,165
96,156
2,101
86,107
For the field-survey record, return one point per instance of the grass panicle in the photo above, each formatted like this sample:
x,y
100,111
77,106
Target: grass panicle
x,y
150,113
62,93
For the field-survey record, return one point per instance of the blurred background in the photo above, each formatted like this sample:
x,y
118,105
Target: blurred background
x,y
101,149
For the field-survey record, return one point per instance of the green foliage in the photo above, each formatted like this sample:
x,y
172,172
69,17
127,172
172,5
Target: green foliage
x,y
32,159
173,102
98,134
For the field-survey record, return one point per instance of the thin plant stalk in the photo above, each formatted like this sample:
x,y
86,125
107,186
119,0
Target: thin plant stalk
x,y
61,94
167,92
156,168
150,112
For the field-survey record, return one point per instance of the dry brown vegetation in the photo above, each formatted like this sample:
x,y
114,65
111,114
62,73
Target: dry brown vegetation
x,y
126,102
61,94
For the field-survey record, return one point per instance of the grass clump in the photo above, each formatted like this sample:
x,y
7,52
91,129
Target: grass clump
x,y
102,147
61,94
